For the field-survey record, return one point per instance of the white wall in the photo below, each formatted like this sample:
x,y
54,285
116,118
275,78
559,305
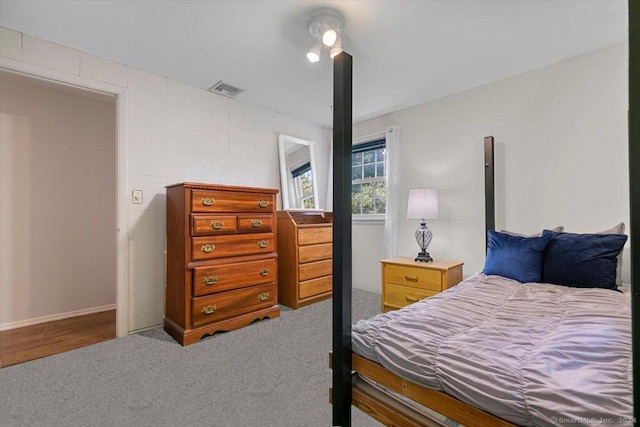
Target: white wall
x,y
175,133
57,192
561,157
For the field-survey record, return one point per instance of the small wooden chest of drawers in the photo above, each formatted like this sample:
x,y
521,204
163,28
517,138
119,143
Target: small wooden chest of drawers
x,y
405,281
222,270
305,262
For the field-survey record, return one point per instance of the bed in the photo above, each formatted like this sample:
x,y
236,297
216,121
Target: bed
x,y
518,359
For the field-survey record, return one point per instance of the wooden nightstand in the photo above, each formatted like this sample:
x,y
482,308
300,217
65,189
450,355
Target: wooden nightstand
x,y
405,281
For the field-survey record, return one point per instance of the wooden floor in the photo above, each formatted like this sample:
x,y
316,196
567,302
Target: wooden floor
x,y
33,342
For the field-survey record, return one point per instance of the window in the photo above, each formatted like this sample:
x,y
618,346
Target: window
x,y
368,172
303,187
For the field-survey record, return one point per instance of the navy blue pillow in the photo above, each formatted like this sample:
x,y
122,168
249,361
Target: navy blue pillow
x,y
515,257
582,260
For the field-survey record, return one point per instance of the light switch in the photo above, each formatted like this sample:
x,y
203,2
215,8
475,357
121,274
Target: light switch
x,y
136,197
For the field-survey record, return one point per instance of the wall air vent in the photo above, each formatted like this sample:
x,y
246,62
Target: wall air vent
x,y
222,88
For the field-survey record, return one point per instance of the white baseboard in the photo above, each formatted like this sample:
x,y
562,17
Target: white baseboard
x,y
53,317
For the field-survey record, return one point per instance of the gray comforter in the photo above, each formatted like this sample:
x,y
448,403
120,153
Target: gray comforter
x,y
534,354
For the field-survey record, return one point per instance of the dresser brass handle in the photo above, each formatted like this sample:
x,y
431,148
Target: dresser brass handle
x,y
411,278
263,296
265,271
210,309
217,225
211,280
263,203
208,248
263,243
411,299
256,223
208,201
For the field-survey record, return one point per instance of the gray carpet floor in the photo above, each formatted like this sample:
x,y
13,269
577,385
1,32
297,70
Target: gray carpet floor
x,y
273,373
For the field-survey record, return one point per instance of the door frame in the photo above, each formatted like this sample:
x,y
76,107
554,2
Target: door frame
x,y
122,226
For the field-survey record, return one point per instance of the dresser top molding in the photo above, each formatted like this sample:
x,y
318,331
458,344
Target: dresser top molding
x,y
204,186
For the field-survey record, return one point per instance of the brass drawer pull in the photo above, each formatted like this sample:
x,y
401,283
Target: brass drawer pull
x,y
208,201
265,271
210,309
217,225
208,248
211,280
263,203
411,299
263,296
411,278
263,243
256,223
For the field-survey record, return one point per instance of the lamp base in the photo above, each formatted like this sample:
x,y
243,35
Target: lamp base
x,y
423,256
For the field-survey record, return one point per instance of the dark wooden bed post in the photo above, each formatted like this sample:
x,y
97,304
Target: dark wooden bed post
x,y
489,190
342,139
634,192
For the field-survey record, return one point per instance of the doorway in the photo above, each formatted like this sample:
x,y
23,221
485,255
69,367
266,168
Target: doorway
x,y
58,216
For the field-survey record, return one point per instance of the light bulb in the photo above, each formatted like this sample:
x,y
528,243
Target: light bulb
x,y
329,37
313,57
314,53
337,48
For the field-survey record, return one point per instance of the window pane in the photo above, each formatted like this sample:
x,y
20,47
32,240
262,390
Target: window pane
x,y
380,155
368,157
308,203
356,204
367,198
380,169
356,159
306,181
381,197
356,172
369,171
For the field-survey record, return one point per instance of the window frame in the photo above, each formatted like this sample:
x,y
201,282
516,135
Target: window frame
x,y
362,147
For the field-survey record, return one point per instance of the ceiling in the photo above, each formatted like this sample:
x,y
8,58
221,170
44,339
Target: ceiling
x,y
405,52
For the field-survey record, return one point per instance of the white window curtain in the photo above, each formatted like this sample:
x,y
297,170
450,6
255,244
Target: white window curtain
x,y
390,244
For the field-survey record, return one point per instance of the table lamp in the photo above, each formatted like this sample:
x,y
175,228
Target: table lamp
x,y
423,204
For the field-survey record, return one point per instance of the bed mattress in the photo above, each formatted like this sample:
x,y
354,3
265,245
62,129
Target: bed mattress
x,y
534,354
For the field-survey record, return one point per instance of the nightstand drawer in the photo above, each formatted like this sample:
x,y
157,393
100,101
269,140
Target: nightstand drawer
x,y
399,296
414,277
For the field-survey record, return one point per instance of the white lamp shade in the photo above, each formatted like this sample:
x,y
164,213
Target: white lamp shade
x,y
423,203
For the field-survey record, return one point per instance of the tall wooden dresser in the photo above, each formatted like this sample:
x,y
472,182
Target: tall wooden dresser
x,y
305,262
222,271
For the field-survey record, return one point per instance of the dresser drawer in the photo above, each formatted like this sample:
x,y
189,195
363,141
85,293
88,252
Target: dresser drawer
x,y
225,246
312,270
414,277
211,225
312,287
207,280
312,253
223,305
400,296
224,201
255,223
313,235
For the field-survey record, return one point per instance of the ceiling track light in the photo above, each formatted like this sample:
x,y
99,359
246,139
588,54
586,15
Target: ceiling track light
x,y
336,48
326,30
314,53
